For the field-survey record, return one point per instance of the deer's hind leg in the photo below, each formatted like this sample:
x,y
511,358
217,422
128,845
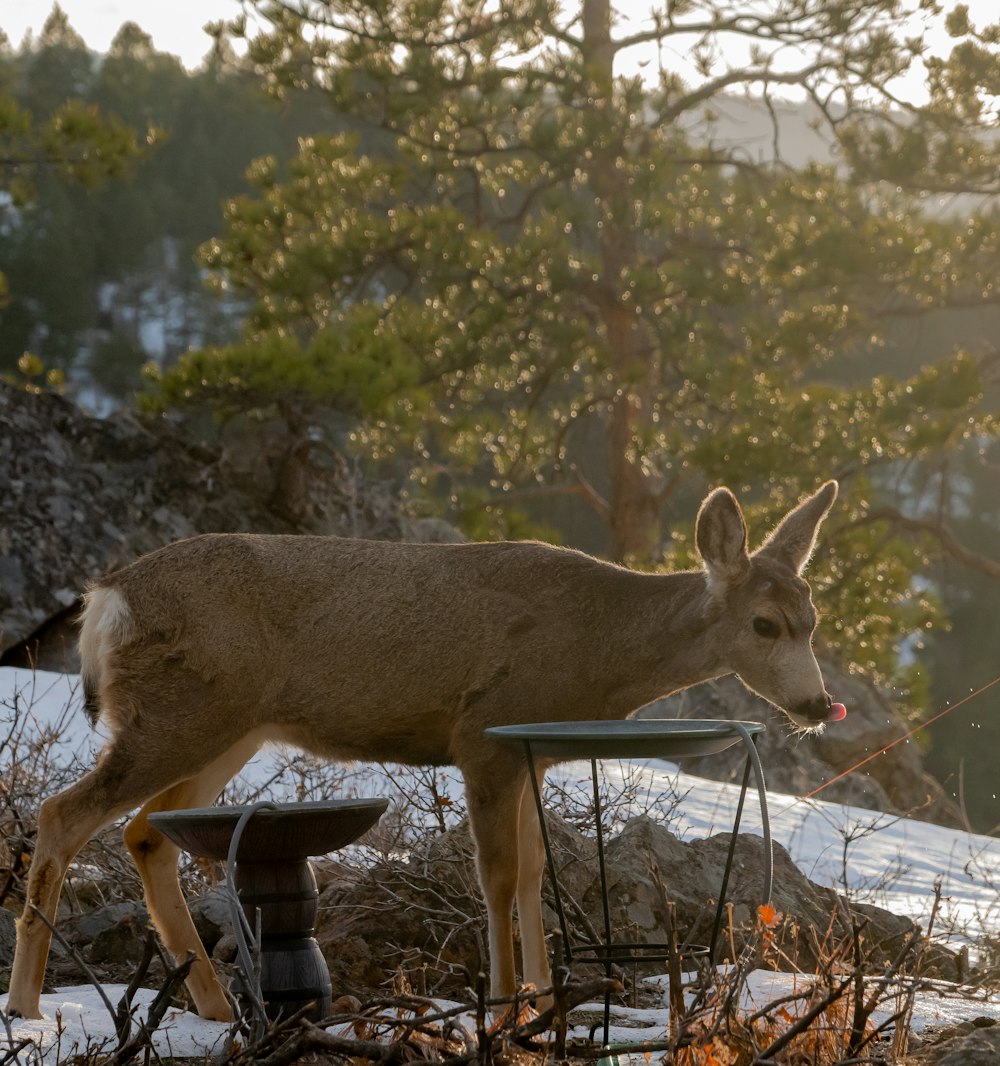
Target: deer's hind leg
x,y
65,823
156,859
131,769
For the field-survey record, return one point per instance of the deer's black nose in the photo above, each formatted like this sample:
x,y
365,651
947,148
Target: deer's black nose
x,y
815,710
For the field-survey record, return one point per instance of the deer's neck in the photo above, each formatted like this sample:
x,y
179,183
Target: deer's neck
x,y
660,637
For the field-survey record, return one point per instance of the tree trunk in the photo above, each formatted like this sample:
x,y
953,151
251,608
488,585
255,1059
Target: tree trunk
x,y
635,510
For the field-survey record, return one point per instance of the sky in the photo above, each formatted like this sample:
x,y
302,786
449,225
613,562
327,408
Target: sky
x,y
178,26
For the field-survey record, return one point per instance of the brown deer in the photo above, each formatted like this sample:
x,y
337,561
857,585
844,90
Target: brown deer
x,y
197,654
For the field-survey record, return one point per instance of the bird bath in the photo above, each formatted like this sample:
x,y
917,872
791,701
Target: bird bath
x,y
273,877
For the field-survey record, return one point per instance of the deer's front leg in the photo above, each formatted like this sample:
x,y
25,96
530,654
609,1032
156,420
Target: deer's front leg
x,y
493,795
531,869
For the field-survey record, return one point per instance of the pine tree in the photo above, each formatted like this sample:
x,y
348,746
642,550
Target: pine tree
x,y
534,270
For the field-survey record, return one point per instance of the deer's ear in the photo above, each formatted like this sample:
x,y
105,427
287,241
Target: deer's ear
x,y
721,536
795,537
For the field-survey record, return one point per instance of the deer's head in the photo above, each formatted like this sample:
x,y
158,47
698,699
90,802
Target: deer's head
x,y
765,614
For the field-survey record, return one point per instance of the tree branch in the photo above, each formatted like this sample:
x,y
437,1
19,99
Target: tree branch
x,y
949,543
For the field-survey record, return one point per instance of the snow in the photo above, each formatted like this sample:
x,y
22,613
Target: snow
x,y
77,1021
877,858
937,1008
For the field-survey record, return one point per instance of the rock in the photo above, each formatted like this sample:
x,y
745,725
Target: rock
x,y
431,531
110,939
86,927
346,1005
426,913
973,1043
84,495
82,482
798,763
691,874
124,942
212,917
226,948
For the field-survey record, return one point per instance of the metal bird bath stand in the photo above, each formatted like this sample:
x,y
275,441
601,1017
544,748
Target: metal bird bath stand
x,y
274,880
644,738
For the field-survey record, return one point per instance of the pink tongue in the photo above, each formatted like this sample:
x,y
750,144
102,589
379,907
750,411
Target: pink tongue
x,y
838,712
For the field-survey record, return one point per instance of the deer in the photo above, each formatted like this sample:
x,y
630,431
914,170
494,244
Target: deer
x,y
197,654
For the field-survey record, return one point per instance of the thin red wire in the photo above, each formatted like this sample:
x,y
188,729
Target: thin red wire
x,y
905,736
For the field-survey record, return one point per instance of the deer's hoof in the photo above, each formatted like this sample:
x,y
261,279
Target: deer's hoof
x,y
27,1015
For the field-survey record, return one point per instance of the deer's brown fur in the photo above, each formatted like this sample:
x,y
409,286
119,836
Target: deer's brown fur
x,y
197,654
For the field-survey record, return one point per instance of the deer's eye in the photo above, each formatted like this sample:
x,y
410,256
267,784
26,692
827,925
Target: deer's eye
x,y
764,627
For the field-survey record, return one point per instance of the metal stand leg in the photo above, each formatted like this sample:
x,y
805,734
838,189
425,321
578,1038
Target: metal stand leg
x,y
753,762
604,896
556,895
549,857
605,953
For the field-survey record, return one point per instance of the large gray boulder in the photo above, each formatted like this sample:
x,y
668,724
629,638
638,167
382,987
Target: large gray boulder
x,y
799,763
424,915
973,1043
80,496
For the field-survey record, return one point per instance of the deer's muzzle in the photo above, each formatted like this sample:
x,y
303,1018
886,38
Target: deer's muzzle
x,y
820,709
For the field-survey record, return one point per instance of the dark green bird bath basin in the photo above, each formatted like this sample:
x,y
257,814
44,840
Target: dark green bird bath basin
x,y
275,879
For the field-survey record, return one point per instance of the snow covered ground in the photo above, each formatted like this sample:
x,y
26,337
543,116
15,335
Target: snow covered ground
x,y
893,862
77,1019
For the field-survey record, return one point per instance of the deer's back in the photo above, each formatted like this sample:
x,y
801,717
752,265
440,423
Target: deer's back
x,y
359,645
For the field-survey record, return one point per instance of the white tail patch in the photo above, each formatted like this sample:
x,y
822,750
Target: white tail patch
x,y
107,624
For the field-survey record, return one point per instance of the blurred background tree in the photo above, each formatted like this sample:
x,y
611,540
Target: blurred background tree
x,y
116,167
545,280
49,135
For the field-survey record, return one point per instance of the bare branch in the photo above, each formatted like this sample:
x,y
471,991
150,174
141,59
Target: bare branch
x,y
935,528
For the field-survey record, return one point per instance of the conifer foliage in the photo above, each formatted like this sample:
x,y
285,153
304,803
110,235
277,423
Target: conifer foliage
x,y
544,276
